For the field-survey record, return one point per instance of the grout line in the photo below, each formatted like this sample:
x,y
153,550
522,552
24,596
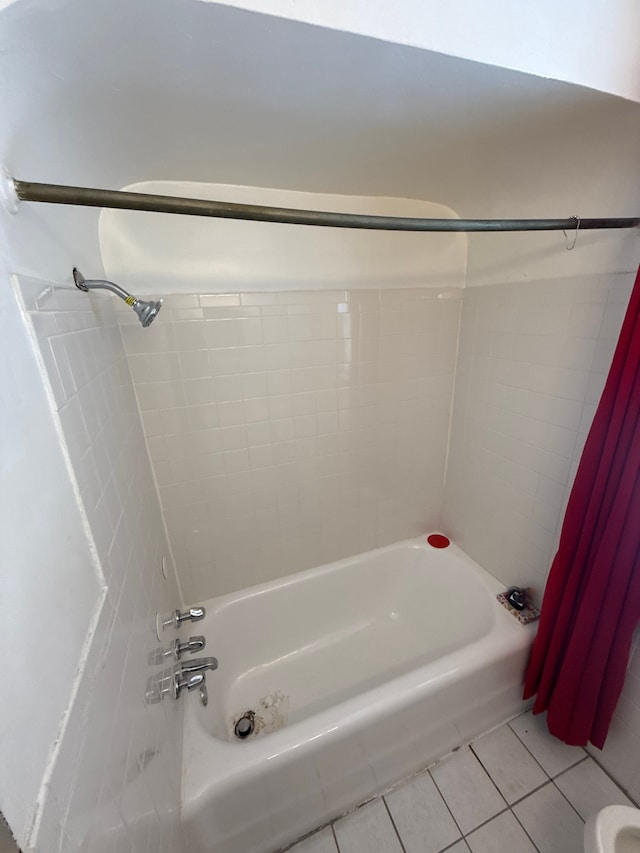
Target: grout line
x,y
452,401
612,778
532,791
478,759
463,837
442,797
393,823
488,820
451,846
586,754
568,800
462,834
519,822
562,772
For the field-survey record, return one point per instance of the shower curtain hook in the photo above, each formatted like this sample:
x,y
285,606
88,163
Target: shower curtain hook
x,y
575,236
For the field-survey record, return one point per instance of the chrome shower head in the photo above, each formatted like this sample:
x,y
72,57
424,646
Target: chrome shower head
x,y
146,311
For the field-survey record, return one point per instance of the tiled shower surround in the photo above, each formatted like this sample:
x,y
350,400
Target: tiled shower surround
x,y
290,429
286,430
532,362
115,786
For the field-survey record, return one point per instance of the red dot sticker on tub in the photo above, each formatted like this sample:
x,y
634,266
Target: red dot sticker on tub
x,y
437,540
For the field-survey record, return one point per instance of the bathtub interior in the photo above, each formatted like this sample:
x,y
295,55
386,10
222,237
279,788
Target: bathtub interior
x,y
293,648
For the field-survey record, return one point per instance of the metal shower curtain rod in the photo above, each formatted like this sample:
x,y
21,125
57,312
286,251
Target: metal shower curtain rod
x,y
88,197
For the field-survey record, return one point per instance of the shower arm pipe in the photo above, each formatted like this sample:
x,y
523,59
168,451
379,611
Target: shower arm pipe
x,y
124,200
103,284
147,310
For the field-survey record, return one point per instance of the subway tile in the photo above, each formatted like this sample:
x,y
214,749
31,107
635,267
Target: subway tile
x,y
256,410
194,364
219,300
231,413
188,335
258,433
202,417
275,330
278,382
248,331
254,385
221,333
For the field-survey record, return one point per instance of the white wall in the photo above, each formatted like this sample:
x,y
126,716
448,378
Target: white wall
x,y
115,781
249,99
591,43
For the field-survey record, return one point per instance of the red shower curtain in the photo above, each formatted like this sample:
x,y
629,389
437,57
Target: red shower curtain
x,y
591,602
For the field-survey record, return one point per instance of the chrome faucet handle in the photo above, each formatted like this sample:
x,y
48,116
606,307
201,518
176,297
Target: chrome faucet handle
x,y
199,665
192,645
193,614
188,681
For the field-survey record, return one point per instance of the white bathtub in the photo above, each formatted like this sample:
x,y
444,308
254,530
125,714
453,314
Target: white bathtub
x,y
360,673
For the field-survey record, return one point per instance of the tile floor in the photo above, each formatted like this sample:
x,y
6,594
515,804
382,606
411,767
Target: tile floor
x,y
514,790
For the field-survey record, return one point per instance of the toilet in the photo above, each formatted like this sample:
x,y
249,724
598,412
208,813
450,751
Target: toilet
x,y
614,829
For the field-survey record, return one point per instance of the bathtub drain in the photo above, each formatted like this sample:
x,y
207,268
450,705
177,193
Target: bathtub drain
x,y
245,725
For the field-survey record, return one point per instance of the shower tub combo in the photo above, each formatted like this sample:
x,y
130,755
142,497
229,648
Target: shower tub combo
x,y
335,683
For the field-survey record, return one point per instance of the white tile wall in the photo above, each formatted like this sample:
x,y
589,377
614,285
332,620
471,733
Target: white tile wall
x,y
290,429
48,575
116,781
532,362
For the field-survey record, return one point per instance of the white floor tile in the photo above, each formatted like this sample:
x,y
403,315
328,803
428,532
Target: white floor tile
x,y
501,834
554,755
469,792
510,765
367,830
589,789
458,847
422,819
320,842
550,822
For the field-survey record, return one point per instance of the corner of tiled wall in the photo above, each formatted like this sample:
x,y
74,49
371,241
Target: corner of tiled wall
x,y
115,784
532,362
